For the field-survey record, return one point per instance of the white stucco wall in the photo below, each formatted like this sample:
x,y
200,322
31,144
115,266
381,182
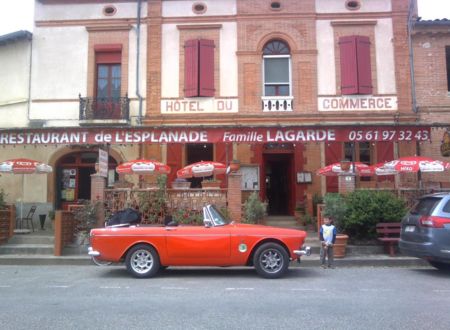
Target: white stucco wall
x,y
338,6
170,64
326,68
86,11
132,60
384,37
228,60
59,72
184,8
14,83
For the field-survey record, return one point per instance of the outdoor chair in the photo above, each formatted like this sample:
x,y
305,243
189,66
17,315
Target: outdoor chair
x,y
28,219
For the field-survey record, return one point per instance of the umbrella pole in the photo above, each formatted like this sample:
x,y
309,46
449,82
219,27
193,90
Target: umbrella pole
x,y
21,200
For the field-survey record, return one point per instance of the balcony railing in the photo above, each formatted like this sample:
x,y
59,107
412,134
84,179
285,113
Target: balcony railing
x,y
277,103
104,108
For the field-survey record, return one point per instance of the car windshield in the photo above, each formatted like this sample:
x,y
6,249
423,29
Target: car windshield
x,y
218,218
425,206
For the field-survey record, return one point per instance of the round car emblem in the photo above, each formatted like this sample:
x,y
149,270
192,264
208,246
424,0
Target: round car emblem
x,y
242,247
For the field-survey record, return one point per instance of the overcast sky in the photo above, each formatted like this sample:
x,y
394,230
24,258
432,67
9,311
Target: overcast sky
x,y
18,14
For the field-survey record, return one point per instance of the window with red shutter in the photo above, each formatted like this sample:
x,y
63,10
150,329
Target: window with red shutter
x,y
356,71
191,68
206,64
364,67
349,69
199,68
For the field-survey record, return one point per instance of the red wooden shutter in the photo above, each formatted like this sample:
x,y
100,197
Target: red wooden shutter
x,y
191,76
349,70
206,63
364,67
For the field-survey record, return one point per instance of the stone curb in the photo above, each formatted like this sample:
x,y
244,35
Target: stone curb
x,y
312,261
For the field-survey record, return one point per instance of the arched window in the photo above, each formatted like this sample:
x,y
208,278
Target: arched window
x,y
277,69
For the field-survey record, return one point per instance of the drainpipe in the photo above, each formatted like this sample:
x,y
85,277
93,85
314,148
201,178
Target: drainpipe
x,y
138,47
29,80
411,22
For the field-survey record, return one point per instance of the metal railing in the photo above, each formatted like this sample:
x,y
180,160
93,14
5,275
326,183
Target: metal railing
x,y
276,103
104,108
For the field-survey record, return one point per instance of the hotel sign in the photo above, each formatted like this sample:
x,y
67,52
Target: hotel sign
x,y
150,135
199,105
357,103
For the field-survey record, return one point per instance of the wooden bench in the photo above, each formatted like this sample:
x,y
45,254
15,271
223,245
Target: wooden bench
x,y
389,234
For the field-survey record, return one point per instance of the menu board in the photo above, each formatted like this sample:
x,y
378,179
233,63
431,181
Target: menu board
x,y
68,184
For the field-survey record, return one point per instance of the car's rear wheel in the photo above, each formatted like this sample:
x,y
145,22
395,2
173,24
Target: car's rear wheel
x,y
142,261
440,265
271,260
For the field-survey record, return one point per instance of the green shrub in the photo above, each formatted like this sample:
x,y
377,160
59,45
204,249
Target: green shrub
x,y
335,207
358,212
367,208
2,200
254,209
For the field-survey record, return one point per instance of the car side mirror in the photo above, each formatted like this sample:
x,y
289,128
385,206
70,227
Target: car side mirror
x,y
208,223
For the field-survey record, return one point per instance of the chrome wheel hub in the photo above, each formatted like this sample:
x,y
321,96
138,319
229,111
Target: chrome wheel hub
x,y
271,261
141,261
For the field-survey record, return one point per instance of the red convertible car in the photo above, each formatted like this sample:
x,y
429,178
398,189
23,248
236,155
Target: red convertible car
x,y
147,249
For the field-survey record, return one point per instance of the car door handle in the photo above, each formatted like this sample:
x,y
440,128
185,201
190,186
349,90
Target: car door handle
x,y
170,228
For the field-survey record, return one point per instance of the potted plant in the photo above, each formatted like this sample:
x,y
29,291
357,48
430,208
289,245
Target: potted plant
x,y
235,165
335,207
180,183
211,184
309,222
345,165
254,209
51,216
2,200
299,213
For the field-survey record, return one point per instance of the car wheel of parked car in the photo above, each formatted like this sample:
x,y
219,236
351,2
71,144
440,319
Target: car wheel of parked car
x,y
142,261
440,265
271,260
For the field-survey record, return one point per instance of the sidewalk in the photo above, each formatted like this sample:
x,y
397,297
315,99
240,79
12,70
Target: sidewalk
x,y
357,256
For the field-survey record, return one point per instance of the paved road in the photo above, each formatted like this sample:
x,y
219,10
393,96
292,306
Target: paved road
x,y
89,297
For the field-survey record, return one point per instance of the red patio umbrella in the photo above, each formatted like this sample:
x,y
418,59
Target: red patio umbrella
x,y
143,166
335,169
24,166
201,169
411,164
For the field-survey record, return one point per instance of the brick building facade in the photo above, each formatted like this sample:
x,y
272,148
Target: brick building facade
x,y
284,86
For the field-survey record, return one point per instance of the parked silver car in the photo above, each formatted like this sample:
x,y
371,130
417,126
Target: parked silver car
x,y
426,230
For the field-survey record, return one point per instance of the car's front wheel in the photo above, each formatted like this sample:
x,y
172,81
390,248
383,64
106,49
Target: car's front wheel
x,y
142,261
440,265
271,260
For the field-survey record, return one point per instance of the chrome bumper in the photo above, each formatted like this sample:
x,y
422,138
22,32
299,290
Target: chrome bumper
x,y
304,251
93,253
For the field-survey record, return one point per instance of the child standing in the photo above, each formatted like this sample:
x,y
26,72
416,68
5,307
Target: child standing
x,y
327,238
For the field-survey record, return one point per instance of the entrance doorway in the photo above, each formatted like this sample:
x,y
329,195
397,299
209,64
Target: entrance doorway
x,y
278,183
73,177
197,153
